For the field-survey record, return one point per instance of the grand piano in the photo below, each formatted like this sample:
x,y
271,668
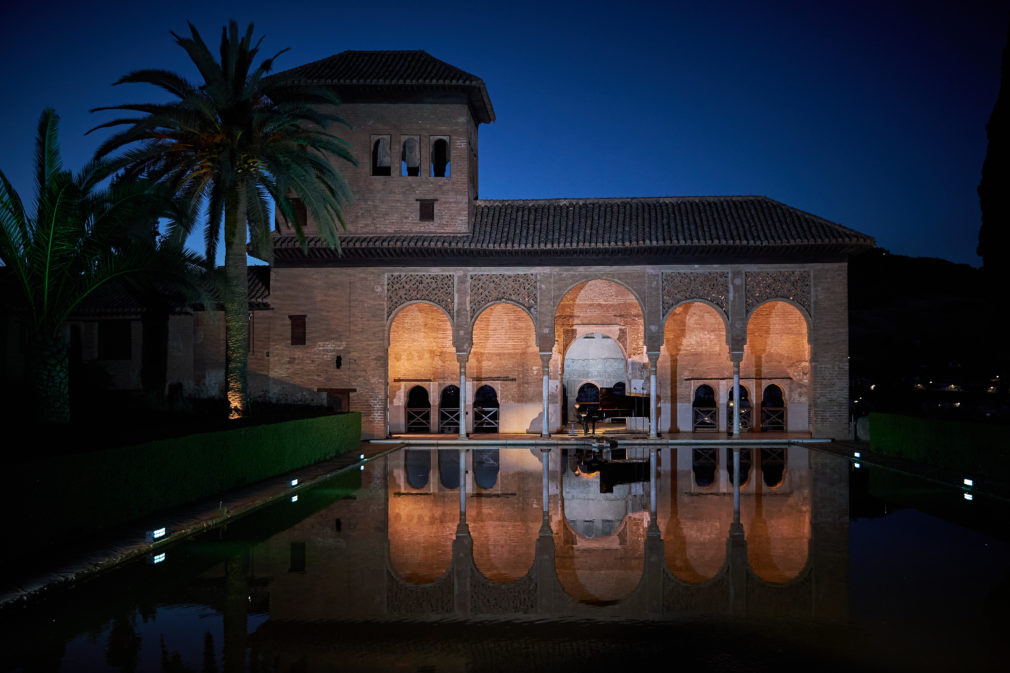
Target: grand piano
x,y
612,403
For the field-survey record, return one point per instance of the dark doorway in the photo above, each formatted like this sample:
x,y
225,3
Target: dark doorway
x,y
418,410
745,415
704,412
448,410
485,410
773,410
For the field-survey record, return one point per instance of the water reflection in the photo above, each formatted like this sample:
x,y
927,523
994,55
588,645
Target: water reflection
x,y
439,559
543,533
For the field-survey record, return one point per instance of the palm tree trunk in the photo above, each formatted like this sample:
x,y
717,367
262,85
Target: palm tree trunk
x,y
236,307
48,368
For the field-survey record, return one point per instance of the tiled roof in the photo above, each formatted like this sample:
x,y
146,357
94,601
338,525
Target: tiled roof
x,y
417,68
678,228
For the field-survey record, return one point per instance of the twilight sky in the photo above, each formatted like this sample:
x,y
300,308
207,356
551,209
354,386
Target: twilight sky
x,y
870,114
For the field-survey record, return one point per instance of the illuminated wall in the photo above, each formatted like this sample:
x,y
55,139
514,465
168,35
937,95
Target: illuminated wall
x,y
694,353
420,354
505,356
778,352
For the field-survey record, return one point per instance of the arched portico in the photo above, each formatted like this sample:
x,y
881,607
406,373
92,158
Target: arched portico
x,y
420,353
694,354
599,332
505,357
778,353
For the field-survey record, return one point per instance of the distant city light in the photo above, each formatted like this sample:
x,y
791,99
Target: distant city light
x,y
158,558
969,496
969,482
361,457
294,498
856,465
857,454
294,482
362,468
873,386
156,534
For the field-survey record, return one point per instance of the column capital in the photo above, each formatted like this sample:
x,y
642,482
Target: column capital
x,y
653,358
736,357
545,358
461,358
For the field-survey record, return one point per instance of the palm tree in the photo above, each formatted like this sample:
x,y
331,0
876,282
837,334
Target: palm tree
x,y
228,145
82,236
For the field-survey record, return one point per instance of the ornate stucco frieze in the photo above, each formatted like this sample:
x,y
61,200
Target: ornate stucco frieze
x,y
403,288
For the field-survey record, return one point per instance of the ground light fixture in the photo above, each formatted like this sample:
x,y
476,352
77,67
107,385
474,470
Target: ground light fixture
x,y
156,534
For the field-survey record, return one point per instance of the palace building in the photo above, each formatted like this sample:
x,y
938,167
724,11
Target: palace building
x,y
441,303
442,307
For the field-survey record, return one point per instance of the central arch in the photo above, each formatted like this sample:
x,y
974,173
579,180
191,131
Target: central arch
x,y
600,339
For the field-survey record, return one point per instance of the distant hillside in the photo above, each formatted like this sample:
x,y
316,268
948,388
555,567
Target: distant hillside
x,y
924,333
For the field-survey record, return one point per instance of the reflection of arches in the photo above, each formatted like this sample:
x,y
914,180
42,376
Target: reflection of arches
x,y
485,410
773,466
448,468
704,463
746,458
417,465
745,408
485,467
705,411
448,409
773,409
418,410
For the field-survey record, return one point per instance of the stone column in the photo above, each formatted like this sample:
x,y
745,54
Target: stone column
x,y
462,358
653,359
545,365
735,358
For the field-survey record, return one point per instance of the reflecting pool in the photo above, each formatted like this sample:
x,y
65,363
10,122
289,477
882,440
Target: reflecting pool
x,y
527,559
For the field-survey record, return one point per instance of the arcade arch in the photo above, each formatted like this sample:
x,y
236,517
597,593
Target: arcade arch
x,y
778,352
694,357
505,359
600,339
420,354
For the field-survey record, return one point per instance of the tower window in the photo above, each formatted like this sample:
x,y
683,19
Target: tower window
x,y
440,164
426,210
380,155
410,156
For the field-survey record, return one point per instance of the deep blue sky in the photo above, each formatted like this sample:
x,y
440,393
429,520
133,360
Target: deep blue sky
x,y
871,114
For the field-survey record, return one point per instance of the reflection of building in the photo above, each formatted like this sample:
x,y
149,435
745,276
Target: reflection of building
x,y
408,549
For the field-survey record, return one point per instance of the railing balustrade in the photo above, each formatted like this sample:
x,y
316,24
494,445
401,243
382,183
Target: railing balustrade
x,y
419,419
706,419
485,419
448,420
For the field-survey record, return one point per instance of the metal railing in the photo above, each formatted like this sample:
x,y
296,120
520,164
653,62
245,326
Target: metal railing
x,y
419,419
448,420
773,418
485,419
705,419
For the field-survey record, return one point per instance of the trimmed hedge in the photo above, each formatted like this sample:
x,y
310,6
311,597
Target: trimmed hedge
x,y
67,496
972,448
